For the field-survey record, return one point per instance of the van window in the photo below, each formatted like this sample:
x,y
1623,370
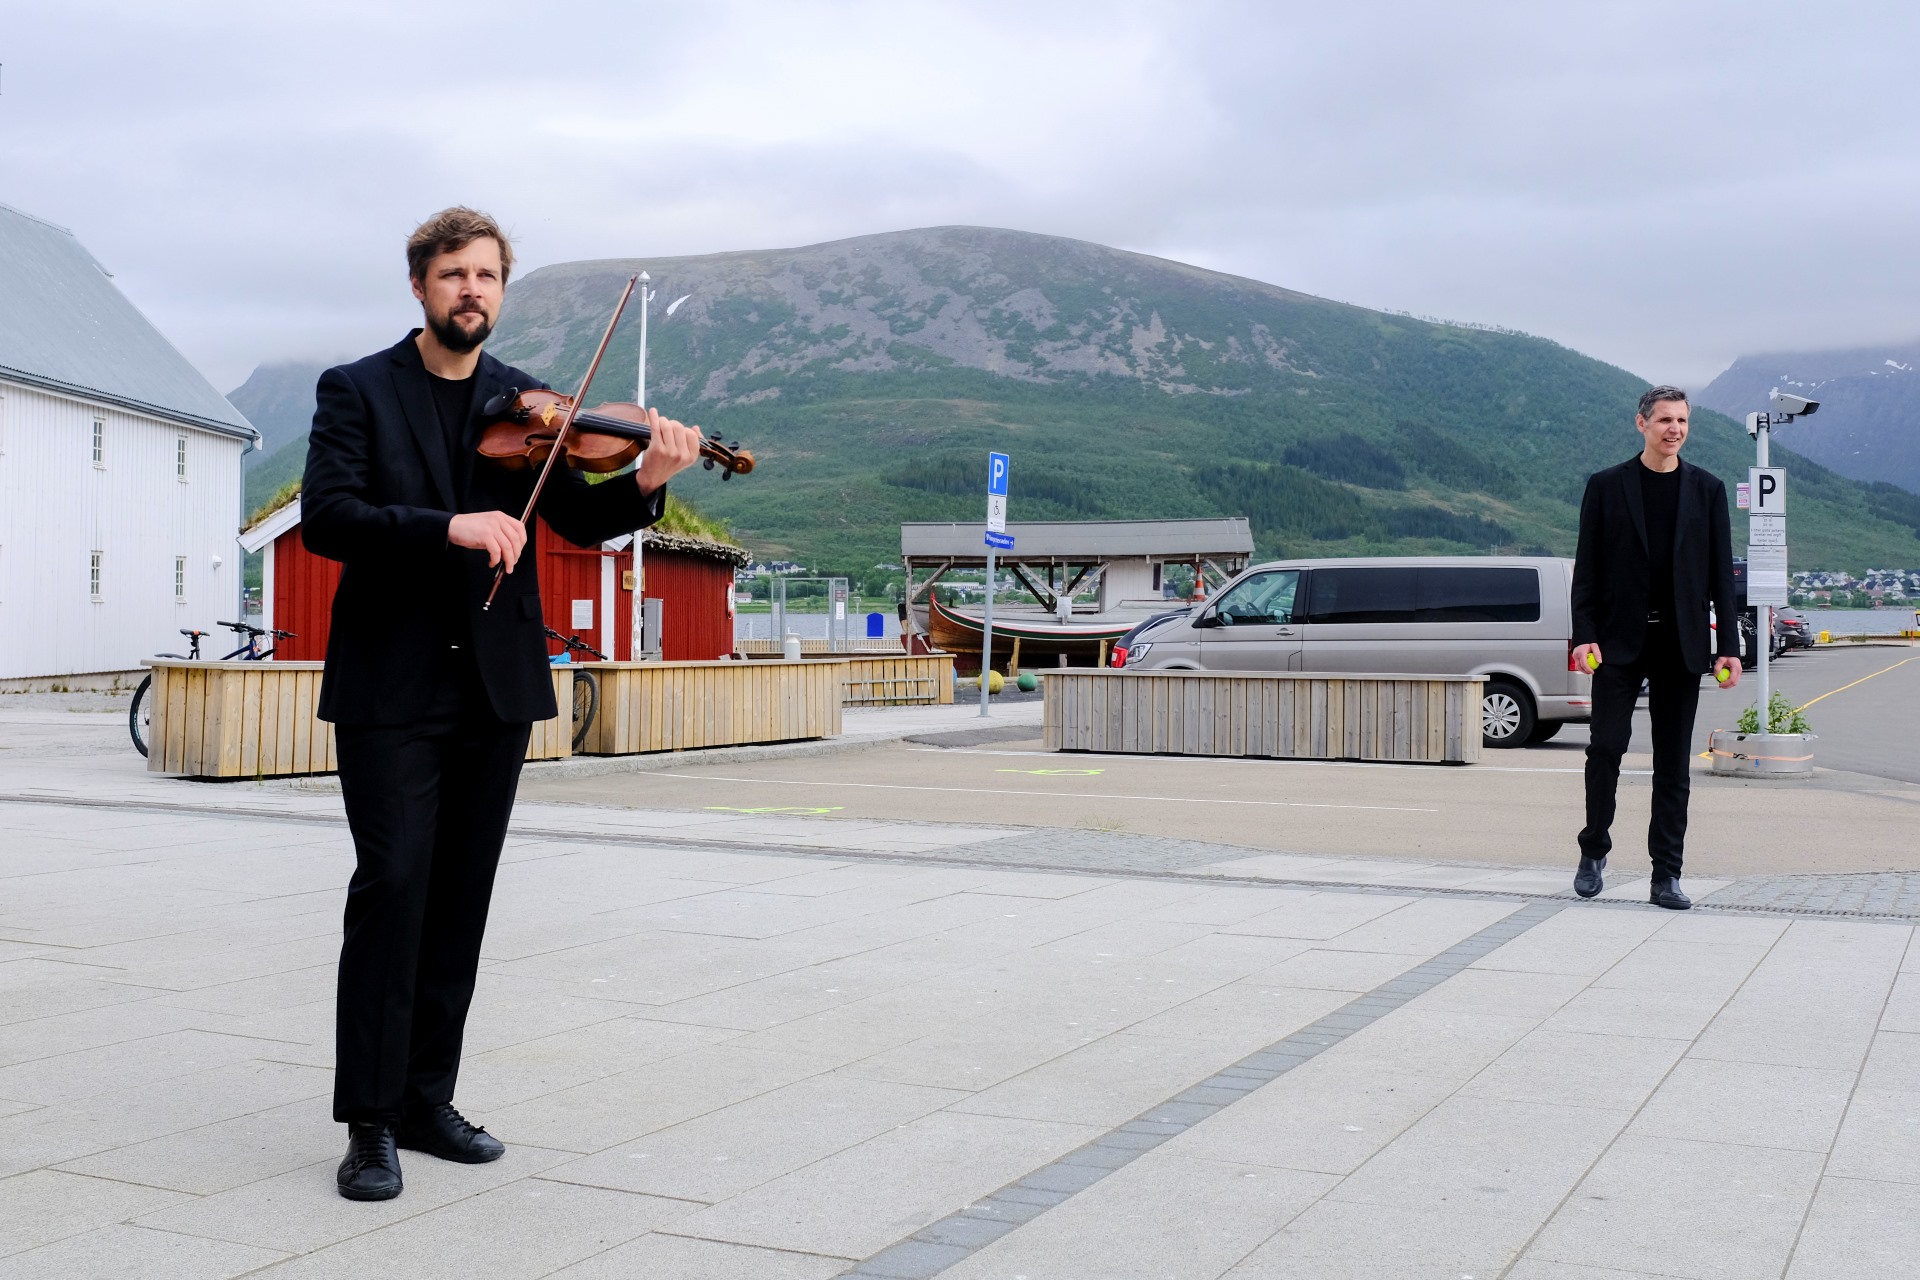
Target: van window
x,y
1466,593
1363,595
1479,594
1264,600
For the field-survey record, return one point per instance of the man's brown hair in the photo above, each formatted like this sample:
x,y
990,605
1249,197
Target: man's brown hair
x,y
450,231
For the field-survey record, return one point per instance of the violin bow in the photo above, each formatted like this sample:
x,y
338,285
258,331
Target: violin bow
x,y
560,437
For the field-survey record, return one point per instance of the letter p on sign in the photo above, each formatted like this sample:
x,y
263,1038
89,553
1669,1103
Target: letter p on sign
x,y
1769,485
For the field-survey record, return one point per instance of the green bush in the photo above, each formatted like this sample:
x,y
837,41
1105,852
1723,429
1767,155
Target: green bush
x,y
1782,717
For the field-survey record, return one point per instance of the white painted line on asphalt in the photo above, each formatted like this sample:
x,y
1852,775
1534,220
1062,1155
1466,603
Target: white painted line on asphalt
x,y
1059,795
1333,764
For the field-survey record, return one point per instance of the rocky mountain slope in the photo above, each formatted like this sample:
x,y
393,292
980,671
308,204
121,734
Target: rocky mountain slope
x,y
1868,426
871,375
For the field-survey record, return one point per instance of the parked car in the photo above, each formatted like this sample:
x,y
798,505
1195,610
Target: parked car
x,y
1508,618
1131,647
1791,630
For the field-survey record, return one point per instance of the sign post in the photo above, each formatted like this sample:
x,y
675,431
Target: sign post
x,y
1767,583
997,540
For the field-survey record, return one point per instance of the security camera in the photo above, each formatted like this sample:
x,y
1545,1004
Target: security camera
x,y
1798,406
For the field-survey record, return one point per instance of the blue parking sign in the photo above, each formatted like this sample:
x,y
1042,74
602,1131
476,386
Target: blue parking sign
x,y
997,474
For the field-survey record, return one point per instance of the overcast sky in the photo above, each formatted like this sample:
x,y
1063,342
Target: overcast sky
x,y
1665,186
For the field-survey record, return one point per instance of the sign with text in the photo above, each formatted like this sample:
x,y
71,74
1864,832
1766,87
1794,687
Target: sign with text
x,y
999,540
1767,575
996,493
1767,531
1769,488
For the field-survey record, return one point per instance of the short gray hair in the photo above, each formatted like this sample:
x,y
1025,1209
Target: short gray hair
x,y
1654,395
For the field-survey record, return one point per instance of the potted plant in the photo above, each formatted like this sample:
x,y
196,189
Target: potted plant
x,y
1783,750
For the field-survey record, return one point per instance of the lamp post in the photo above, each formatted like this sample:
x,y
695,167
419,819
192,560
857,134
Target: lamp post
x,y
637,621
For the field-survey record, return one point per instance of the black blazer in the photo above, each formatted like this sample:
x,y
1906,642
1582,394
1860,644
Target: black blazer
x,y
1610,568
380,490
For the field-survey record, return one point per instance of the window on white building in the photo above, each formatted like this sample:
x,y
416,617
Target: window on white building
x,y
99,443
180,459
179,578
93,576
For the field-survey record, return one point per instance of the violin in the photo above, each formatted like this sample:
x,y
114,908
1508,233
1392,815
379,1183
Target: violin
x,y
523,426
514,441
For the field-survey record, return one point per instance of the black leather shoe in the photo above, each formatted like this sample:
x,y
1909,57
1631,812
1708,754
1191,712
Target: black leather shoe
x,y
1588,881
442,1131
1666,893
371,1170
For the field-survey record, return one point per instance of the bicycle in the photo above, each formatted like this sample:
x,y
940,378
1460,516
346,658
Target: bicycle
x,y
140,715
586,685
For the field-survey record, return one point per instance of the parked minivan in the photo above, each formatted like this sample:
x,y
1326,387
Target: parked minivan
x,y
1508,618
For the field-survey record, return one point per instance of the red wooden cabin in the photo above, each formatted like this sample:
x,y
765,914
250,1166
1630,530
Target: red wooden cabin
x,y
583,592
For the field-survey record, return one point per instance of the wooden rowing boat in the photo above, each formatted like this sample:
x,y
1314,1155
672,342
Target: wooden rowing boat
x,y
958,632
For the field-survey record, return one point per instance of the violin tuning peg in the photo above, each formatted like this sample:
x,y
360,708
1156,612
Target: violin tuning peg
x,y
707,463
725,476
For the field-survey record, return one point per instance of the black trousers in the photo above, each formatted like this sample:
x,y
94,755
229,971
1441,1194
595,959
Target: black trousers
x,y
428,805
1673,695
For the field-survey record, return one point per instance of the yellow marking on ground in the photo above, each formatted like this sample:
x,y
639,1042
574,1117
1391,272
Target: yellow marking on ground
x,y
1862,680
775,808
1059,795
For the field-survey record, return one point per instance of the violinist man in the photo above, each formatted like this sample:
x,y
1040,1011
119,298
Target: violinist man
x,y
431,696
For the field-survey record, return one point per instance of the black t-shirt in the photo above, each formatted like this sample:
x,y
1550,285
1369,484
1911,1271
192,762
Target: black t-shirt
x,y
451,399
1660,495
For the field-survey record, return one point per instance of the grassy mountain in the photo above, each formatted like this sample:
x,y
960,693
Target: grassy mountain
x,y
1868,426
278,399
871,376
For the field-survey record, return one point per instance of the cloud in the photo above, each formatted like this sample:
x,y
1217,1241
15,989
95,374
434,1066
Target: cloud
x,y
1661,186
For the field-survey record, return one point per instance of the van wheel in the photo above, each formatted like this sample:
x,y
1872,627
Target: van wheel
x,y
1506,715
1545,730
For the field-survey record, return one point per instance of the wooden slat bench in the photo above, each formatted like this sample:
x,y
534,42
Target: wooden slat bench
x,y
1286,715
677,706
257,720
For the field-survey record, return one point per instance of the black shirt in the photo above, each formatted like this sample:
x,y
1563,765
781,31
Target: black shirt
x,y
1660,495
451,399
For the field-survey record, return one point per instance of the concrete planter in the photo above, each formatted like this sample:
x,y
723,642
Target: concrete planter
x,y
1761,755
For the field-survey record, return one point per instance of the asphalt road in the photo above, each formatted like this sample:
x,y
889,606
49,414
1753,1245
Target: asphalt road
x,y
1860,813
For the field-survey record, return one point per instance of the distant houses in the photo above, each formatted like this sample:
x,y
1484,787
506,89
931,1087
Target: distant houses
x,y
120,466
1877,586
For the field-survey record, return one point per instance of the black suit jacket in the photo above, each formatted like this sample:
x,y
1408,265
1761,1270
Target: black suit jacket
x,y
1610,569
380,490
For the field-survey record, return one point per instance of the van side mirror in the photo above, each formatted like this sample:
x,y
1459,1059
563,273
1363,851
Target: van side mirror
x,y
1206,618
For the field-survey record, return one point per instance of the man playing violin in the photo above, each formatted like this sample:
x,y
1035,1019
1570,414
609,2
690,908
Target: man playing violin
x,y
432,696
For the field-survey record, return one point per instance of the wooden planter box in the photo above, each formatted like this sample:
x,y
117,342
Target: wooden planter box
x,y
256,720
1285,715
897,680
678,706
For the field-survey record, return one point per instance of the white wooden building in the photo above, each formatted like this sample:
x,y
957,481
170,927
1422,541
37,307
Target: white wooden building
x,y
120,472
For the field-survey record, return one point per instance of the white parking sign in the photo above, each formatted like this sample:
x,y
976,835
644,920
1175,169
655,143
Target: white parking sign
x,y
1768,486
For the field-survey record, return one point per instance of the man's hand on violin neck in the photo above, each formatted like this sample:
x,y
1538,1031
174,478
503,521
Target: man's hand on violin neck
x,y
674,447
494,532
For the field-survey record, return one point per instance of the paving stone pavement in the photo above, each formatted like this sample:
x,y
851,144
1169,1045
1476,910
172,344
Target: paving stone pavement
x,y
1887,893
839,1055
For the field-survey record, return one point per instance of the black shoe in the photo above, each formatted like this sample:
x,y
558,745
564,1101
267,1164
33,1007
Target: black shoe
x,y
442,1131
371,1170
1666,893
1588,881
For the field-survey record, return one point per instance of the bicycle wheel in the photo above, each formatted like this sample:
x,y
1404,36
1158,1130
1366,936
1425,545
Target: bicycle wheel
x,y
140,718
586,702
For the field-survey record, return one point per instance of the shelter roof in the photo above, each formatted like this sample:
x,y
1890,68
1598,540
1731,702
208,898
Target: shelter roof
x,y
65,327
1081,541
